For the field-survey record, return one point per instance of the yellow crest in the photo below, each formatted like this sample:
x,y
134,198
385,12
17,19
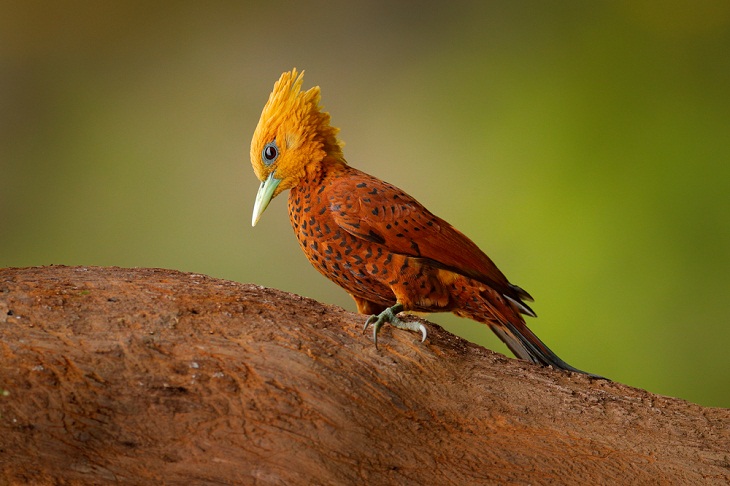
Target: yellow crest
x,y
293,132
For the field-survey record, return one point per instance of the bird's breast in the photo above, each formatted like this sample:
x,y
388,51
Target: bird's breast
x,y
359,266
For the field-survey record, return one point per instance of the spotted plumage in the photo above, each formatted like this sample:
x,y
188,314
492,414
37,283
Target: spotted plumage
x,y
371,238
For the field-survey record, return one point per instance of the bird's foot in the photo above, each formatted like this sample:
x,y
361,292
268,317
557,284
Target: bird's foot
x,y
389,315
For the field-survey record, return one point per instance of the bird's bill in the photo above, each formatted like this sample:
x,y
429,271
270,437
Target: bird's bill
x,y
263,197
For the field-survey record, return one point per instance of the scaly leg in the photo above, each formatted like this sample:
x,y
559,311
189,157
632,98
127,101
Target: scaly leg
x,y
389,315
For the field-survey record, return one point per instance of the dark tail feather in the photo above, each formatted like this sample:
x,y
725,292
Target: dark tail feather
x,y
526,345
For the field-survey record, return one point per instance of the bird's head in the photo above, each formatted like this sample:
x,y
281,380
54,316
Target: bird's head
x,y
293,137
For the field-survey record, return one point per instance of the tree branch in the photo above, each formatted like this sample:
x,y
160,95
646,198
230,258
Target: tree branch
x,y
151,376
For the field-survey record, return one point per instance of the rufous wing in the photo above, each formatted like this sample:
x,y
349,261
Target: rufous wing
x,y
374,210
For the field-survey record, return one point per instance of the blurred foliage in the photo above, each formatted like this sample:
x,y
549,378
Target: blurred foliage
x,y
584,145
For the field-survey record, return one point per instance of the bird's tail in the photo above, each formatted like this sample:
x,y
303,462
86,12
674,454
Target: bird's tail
x,y
502,313
526,345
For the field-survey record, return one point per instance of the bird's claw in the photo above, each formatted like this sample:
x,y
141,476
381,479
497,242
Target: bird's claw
x,y
389,315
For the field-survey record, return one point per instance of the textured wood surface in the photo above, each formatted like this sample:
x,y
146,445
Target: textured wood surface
x,y
148,376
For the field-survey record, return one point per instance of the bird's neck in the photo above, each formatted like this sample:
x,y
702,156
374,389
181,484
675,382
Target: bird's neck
x,y
330,166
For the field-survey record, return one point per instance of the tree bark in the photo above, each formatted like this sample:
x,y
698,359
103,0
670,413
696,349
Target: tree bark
x,y
149,376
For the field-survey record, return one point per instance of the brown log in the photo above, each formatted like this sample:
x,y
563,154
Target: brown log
x,y
148,376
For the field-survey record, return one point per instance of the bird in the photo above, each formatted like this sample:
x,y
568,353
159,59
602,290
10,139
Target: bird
x,y
371,238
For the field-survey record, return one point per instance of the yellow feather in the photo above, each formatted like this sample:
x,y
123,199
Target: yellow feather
x,y
301,129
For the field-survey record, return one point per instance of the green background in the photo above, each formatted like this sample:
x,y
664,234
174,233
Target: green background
x,y
585,146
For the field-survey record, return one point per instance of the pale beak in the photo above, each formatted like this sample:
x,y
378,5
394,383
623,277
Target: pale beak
x,y
263,197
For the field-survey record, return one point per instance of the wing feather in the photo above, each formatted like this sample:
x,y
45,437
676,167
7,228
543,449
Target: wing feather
x,y
376,211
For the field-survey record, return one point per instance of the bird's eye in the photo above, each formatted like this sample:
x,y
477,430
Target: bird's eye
x,y
270,152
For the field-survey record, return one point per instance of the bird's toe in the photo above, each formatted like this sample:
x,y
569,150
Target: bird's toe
x,y
389,315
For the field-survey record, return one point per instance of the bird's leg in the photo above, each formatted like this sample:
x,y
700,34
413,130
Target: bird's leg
x,y
389,315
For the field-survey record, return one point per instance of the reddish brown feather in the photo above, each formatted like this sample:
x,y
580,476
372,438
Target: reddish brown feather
x,y
406,227
383,246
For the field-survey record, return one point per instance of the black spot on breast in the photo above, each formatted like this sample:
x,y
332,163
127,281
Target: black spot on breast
x,y
375,211
362,184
